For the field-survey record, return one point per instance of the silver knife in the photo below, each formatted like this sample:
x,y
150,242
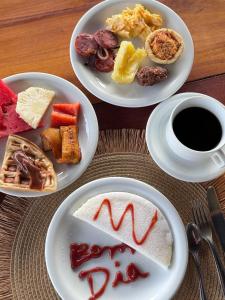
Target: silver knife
x,y
216,215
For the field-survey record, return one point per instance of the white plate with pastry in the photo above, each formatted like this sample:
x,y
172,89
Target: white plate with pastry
x,y
131,53
117,231
52,133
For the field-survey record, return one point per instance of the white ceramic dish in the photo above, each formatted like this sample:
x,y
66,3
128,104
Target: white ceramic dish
x,y
88,125
65,229
132,95
165,158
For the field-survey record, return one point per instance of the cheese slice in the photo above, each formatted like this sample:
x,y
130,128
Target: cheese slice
x,y
149,233
32,104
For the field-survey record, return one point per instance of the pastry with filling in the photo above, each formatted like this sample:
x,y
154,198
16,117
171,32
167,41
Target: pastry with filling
x,y
25,167
164,46
132,220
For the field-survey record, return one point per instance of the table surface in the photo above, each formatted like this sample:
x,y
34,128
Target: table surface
x,y
35,35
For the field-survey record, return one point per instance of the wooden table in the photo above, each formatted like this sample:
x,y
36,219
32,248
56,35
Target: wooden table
x,y
35,35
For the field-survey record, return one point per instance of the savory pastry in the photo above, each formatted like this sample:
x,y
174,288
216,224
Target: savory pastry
x,y
137,22
132,220
164,46
32,104
25,167
127,62
71,153
147,75
51,140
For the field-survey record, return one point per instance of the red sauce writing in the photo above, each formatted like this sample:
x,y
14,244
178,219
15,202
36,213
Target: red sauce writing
x,y
88,274
81,253
117,264
133,273
116,227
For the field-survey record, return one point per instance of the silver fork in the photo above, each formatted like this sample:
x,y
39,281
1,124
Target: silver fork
x,y
202,220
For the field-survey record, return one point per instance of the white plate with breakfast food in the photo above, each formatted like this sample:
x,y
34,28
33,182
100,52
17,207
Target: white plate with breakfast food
x,y
116,238
48,134
131,53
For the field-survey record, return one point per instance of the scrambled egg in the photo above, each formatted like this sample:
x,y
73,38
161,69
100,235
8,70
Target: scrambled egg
x,y
137,22
127,62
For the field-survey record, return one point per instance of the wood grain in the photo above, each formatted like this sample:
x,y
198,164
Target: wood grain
x,y
35,35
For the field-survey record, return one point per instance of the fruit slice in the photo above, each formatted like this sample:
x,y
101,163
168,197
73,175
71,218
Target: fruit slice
x,y
127,62
11,122
32,104
67,108
59,119
7,96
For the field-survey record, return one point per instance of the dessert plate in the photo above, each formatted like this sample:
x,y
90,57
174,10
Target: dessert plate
x,y
163,155
65,229
88,126
131,95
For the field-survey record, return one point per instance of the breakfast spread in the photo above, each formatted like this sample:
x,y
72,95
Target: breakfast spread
x,y
118,214
164,46
32,104
160,45
25,167
28,169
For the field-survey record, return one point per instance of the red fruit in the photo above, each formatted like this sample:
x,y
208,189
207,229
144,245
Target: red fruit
x,y
58,119
68,108
7,96
11,122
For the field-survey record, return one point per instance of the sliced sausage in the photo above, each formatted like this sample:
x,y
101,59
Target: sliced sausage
x,y
106,39
105,65
86,45
151,75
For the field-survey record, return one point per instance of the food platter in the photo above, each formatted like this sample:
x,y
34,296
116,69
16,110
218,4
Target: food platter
x,y
131,95
88,127
65,229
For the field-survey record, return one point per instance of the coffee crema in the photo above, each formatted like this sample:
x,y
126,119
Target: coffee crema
x,y
197,128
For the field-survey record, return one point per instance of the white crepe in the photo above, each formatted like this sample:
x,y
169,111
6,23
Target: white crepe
x,y
157,246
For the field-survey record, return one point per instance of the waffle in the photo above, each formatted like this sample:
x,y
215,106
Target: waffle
x,y
12,177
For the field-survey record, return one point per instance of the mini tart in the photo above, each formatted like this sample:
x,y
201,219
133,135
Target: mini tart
x,y
164,46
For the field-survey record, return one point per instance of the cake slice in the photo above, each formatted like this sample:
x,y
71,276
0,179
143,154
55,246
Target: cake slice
x,y
32,104
25,167
132,220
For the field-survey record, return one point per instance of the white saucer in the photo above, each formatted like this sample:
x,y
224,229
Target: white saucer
x,y
162,154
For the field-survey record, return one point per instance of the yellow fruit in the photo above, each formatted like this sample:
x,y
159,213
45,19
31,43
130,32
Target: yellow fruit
x,y
127,62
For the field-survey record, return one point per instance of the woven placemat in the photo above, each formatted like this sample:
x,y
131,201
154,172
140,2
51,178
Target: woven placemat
x,y
24,222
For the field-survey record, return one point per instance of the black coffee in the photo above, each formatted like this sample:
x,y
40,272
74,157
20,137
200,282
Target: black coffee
x,y
197,128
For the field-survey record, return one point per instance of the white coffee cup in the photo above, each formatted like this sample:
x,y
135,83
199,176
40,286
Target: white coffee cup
x,y
217,154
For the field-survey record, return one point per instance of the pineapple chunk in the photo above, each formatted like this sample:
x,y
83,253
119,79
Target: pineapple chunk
x,y
32,104
127,62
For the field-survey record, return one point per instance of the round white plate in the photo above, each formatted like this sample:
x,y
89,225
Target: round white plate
x,y
162,154
65,229
131,95
88,125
